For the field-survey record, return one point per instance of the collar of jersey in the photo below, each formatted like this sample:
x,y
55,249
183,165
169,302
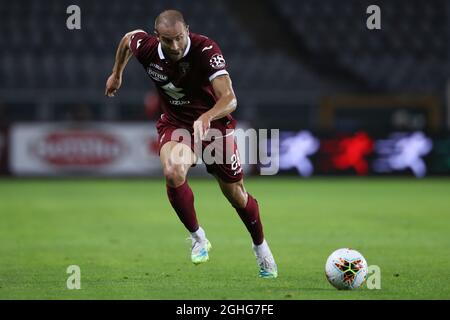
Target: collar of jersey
x,y
186,51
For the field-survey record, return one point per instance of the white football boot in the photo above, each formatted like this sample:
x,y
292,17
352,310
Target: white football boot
x,y
266,262
200,247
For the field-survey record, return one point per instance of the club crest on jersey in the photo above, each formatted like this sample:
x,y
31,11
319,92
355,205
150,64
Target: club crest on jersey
x,y
184,67
156,75
217,61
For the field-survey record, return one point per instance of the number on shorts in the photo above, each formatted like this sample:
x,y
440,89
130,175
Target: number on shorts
x,y
235,162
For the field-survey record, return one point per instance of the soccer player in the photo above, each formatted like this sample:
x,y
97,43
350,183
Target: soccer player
x,y
190,74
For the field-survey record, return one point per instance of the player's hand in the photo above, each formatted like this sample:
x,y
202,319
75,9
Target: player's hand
x,y
113,84
201,127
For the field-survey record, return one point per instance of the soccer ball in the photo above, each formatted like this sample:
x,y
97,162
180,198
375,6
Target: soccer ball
x,y
346,269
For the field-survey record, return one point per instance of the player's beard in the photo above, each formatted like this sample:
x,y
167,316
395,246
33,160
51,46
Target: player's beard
x,y
175,56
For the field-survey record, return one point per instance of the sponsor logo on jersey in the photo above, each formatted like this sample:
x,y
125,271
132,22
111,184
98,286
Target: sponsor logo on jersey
x,y
172,91
217,61
156,66
179,102
156,75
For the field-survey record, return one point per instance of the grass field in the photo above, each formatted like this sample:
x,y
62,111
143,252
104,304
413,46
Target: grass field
x,y
130,245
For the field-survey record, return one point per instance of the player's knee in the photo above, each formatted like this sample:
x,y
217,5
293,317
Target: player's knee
x,y
175,175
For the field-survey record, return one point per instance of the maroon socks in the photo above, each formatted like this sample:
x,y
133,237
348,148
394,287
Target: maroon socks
x,y
182,200
250,216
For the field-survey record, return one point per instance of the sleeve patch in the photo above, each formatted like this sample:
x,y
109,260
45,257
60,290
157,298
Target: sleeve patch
x,y
217,61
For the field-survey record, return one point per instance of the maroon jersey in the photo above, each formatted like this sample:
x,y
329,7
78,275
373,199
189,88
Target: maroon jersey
x,y
184,86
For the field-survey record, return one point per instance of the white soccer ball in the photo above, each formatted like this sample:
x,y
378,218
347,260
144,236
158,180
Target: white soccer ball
x,y
346,269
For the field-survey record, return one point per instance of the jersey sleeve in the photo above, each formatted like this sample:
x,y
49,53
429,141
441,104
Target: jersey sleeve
x,y
212,59
141,46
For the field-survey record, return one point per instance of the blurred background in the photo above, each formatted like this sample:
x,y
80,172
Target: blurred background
x,y
347,100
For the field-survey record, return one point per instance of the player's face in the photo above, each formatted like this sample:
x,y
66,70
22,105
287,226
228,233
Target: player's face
x,y
173,40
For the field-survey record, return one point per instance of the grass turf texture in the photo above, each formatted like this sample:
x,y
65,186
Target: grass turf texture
x,y
130,245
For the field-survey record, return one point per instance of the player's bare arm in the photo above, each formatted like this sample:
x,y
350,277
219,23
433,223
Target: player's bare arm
x,y
225,105
123,55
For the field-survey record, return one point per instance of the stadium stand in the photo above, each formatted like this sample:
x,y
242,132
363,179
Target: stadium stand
x,y
40,59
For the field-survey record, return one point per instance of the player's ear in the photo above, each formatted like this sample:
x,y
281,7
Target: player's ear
x,y
187,28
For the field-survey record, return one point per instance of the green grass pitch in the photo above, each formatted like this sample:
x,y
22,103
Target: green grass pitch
x,y
130,245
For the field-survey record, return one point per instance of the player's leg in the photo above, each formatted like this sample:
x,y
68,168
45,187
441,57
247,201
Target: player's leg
x,y
176,159
248,210
230,175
